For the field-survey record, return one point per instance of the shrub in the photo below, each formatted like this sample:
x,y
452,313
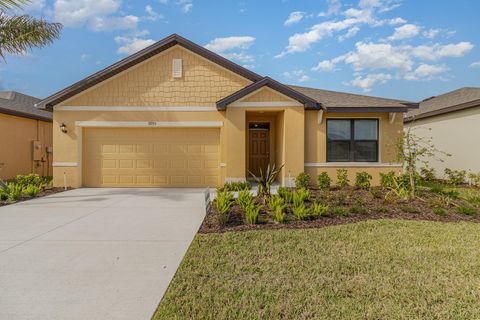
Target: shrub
x,y
342,178
340,199
224,203
3,194
466,210
376,192
286,194
301,212
252,212
409,208
455,177
382,209
29,179
338,211
300,196
237,186
387,179
244,199
266,179
440,211
13,191
31,190
358,209
302,181
362,180
324,181
319,209
428,174
474,200
474,179
277,207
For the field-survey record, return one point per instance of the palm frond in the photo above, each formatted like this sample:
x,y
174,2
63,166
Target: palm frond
x,y
19,34
11,4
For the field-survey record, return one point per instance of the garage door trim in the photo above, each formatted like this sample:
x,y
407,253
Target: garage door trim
x,y
150,124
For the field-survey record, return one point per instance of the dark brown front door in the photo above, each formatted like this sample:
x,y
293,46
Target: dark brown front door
x,y
259,147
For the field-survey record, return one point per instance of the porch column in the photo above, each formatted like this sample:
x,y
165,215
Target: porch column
x,y
235,144
294,144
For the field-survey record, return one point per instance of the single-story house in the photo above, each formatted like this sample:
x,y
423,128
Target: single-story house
x,y
25,136
178,115
452,121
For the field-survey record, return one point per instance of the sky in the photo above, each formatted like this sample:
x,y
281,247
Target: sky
x,y
402,49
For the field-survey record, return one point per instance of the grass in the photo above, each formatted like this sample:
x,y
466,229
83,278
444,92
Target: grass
x,y
383,269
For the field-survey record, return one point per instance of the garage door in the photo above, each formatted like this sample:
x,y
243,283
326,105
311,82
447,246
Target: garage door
x,y
151,157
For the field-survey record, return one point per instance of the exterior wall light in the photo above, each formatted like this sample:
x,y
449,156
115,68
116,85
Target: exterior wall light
x,y
63,127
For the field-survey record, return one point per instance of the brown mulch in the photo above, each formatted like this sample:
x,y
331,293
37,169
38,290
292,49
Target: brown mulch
x,y
43,193
417,209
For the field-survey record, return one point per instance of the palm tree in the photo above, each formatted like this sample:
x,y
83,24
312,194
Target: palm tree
x,y
19,33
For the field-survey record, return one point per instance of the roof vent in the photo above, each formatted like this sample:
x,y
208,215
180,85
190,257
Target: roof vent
x,y
177,68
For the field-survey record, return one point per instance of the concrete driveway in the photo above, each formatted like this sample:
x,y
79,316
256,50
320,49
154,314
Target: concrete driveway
x,y
94,253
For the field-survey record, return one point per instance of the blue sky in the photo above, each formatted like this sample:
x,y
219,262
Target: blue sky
x,y
403,49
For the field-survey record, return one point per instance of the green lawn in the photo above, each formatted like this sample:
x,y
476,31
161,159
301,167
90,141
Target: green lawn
x,y
384,269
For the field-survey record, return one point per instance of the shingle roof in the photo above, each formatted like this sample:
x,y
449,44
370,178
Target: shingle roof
x,y
346,102
459,99
22,105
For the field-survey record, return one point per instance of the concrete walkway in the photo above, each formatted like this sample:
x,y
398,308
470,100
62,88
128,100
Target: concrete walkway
x,y
94,253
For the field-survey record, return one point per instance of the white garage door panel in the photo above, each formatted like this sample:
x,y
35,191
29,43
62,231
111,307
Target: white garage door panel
x,y
151,157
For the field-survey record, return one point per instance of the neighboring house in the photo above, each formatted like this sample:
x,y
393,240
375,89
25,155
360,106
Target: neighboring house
x,y
176,114
452,120
25,136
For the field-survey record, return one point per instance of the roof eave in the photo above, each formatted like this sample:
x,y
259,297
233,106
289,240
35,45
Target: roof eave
x,y
24,115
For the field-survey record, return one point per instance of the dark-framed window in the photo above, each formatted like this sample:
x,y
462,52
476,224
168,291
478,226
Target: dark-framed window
x,y
352,140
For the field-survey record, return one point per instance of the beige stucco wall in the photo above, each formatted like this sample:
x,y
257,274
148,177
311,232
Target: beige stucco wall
x,y
16,152
456,133
316,145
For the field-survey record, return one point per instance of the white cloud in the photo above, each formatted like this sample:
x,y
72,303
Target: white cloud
x,y
395,21
426,72
113,23
334,7
378,56
431,33
299,76
328,65
438,51
404,32
98,15
241,57
185,5
228,43
294,17
84,57
475,64
129,45
350,33
152,15
366,83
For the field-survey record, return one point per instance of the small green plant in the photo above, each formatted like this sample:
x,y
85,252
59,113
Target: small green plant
x,y
244,199
266,178
439,211
359,210
338,211
387,179
363,179
300,196
455,177
277,207
302,181
342,178
286,194
237,186
13,191
376,192
341,199
324,181
409,208
252,212
474,179
301,212
31,190
29,179
223,203
474,201
428,174
382,209
319,210
466,210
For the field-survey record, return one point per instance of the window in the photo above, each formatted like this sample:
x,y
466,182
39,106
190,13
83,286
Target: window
x,y
352,140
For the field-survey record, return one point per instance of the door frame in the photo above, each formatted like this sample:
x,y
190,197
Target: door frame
x,y
271,142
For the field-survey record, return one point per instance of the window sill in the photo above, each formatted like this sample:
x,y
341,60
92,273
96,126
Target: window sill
x,y
351,164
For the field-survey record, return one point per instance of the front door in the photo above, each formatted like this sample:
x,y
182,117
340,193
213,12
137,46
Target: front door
x,y
259,147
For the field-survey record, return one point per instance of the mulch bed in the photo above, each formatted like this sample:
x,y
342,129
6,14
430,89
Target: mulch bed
x,y
43,193
417,209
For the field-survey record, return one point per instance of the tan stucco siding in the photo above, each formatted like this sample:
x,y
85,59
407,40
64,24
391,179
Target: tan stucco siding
x,y
151,84
16,151
316,144
456,133
265,95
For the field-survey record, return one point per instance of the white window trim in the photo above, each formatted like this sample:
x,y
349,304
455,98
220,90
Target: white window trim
x,y
351,164
150,124
65,164
136,108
